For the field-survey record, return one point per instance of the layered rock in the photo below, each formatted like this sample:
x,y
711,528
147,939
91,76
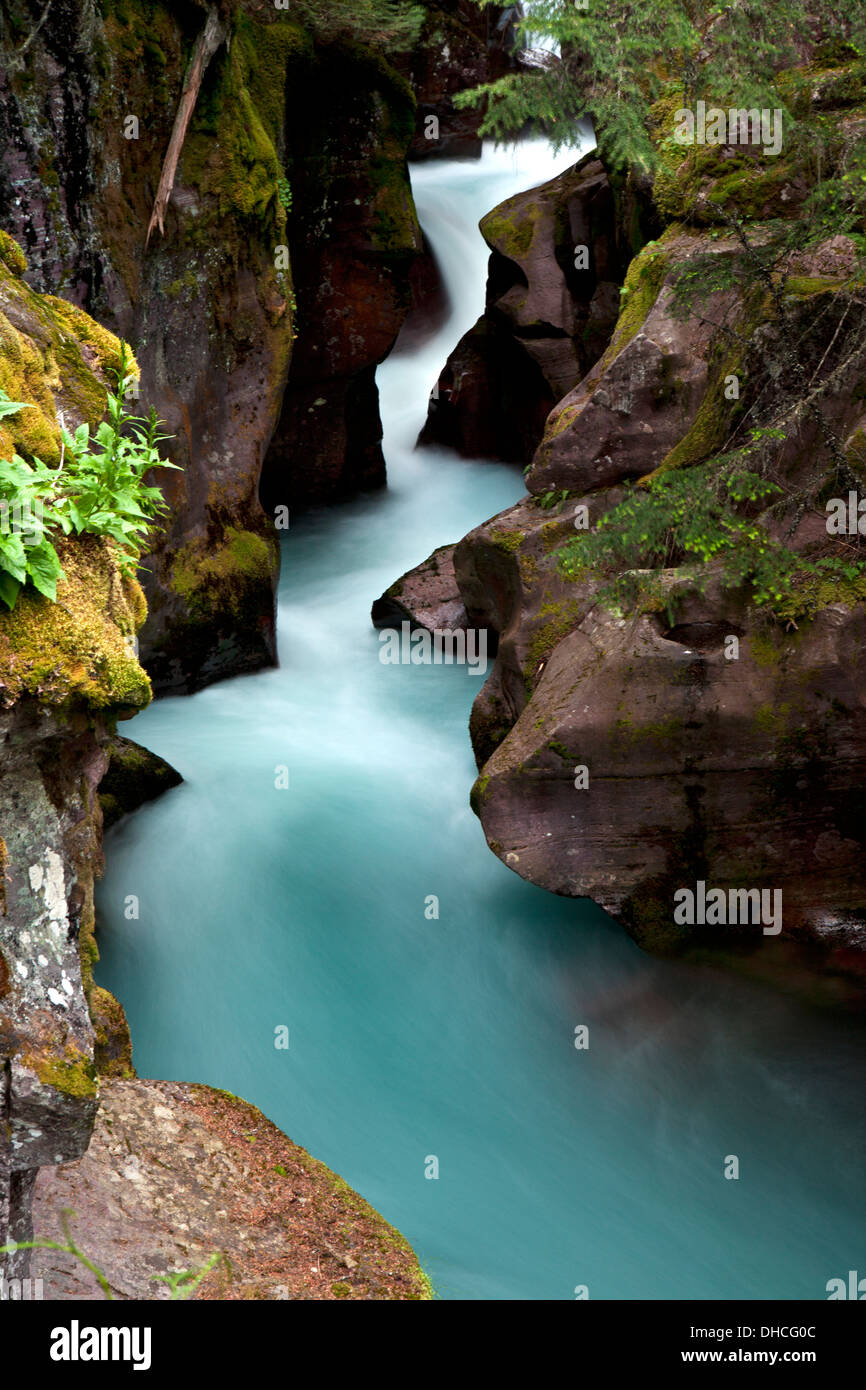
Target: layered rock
x,y
426,597
558,258
739,765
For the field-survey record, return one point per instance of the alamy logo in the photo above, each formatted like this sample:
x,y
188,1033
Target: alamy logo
x,y
76,1343
22,520
846,518
20,1290
737,126
436,647
855,1288
737,907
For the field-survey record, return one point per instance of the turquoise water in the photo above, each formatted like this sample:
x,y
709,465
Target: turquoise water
x,y
304,907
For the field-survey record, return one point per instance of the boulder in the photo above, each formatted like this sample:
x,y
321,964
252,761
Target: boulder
x,y
558,257
185,1178
426,596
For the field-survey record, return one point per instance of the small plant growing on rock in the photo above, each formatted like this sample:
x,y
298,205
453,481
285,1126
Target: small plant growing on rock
x,y
182,1283
98,489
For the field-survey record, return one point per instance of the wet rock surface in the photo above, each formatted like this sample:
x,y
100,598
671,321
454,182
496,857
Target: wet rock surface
x,y
558,258
426,597
134,775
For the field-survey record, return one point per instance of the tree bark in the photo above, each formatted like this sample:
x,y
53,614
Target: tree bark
x,y
206,45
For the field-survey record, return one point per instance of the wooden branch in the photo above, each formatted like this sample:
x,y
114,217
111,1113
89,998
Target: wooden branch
x,y
206,45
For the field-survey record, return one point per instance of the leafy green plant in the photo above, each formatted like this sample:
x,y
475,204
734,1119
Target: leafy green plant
x,y
686,519
8,407
284,193
98,489
184,1282
553,498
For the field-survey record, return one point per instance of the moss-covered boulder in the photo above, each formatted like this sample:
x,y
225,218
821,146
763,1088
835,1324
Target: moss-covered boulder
x,y
134,776
210,303
660,377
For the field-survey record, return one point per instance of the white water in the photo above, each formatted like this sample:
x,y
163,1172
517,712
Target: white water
x,y
454,1037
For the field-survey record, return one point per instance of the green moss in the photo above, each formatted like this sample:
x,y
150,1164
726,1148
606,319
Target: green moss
x,y
643,282
80,326
767,647
230,153
559,620
528,570
754,192
812,594
11,254
561,422
74,1076
220,579
476,795
660,731
79,650
560,750
113,1045
50,354
396,230
712,423
341,1290
510,228
804,286
773,720
717,415
509,541
269,50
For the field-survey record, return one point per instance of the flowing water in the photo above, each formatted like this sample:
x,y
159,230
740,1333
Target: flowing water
x,y
412,1038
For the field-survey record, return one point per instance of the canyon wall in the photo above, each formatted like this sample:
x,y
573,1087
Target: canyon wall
x,y
630,748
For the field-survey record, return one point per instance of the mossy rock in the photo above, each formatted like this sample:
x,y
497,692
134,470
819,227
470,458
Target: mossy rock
x,y
134,776
643,282
11,254
72,1073
692,183
213,580
54,358
511,233
79,651
112,1053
